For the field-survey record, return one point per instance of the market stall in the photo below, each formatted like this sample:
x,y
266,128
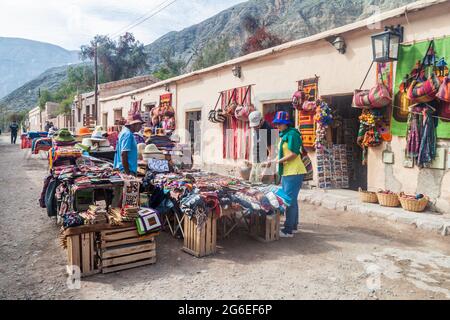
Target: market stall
x,y
204,204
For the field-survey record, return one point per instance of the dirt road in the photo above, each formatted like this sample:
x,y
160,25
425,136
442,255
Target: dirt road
x,y
336,256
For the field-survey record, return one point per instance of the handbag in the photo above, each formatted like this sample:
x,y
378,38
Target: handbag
x,y
309,106
231,106
422,92
243,111
444,90
297,100
216,116
379,95
426,91
361,99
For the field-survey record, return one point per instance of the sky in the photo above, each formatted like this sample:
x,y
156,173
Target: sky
x,y
72,23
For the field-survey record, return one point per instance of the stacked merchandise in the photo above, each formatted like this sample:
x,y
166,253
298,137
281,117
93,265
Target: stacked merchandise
x,y
350,131
196,193
115,216
332,167
340,179
130,213
94,215
324,168
162,142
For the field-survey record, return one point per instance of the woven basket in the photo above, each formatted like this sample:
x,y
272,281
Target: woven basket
x,y
388,200
413,204
367,196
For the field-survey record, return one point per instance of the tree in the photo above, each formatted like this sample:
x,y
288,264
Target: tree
x,y
45,96
171,67
214,53
118,60
260,40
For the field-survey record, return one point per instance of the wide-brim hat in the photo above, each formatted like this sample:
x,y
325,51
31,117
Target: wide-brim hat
x,y
134,119
84,132
98,136
157,156
147,132
282,117
152,149
64,135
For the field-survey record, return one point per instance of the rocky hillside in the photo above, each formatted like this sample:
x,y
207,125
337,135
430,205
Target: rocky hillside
x,y
22,60
288,19
26,97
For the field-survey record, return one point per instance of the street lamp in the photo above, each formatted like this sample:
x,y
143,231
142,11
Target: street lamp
x,y
385,45
237,71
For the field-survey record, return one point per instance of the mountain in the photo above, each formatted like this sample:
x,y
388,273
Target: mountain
x,y
26,97
287,19
22,60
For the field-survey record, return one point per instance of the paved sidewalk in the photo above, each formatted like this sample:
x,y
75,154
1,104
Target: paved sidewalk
x,y
346,200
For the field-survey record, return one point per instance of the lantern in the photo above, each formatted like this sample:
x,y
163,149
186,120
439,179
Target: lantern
x,y
385,45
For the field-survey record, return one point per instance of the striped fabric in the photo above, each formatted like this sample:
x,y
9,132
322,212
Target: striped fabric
x,y
236,142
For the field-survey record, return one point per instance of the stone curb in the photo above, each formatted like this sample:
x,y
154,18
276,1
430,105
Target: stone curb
x,y
427,222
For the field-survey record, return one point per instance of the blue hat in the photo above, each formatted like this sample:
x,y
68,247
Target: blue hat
x,y
282,117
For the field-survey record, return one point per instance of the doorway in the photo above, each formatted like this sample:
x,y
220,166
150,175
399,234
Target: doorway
x,y
193,125
345,132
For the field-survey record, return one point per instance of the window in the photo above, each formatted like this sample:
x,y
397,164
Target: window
x,y
79,115
117,115
105,121
194,127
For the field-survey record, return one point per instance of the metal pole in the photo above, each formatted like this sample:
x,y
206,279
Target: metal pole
x,y
96,83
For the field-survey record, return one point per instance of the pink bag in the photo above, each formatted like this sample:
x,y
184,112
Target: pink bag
x,y
309,106
242,112
379,96
444,90
361,99
297,100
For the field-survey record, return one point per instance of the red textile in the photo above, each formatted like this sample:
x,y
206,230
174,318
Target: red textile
x,y
237,144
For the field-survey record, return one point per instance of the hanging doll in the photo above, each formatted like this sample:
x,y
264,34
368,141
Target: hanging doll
x,y
323,119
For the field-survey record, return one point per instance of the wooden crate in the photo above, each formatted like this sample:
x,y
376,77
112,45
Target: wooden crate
x,y
200,242
82,252
123,248
265,228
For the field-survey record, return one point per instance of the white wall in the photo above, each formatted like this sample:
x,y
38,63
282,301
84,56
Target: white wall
x,y
275,78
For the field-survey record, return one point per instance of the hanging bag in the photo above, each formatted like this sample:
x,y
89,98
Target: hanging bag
x,y
379,96
426,91
444,90
361,99
230,109
216,116
243,111
297,100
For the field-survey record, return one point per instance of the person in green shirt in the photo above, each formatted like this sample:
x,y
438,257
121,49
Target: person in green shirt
x,y
290,168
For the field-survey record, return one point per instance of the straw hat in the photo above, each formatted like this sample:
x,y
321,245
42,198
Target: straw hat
x,y
147,132
87,142
98,134
152,152
134,119
152,149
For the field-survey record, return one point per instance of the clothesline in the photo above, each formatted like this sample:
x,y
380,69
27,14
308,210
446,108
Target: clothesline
x,y
419,113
